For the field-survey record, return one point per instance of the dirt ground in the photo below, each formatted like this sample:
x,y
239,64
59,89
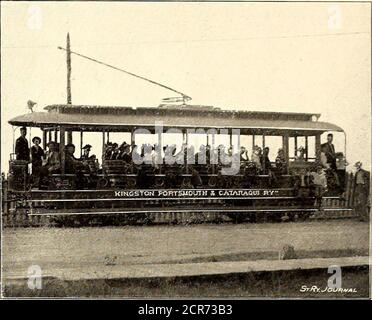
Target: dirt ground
x,y
77,248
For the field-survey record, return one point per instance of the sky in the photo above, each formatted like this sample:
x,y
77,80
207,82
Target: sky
x,y
284,57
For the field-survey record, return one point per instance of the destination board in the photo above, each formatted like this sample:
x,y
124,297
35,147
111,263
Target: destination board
x,y
203,193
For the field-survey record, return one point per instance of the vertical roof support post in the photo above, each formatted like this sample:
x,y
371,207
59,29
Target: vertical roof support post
x,y
160,145
49,134
44,139
103,146
132,142
183,136
212,150
69,136
187,150
55,135
231,137
81,143
13,139
183,144
295,148
61,148
253,141
263,141
285,138
306,148
133,136
317,145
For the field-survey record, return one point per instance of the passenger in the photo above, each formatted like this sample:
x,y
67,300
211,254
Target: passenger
x,y
341,161
196,180
319,181
170,154
155,157
190,155
201,156
256,158
119,152
208,153
341,164
86,151
221,153
114,151
265,161
51,164
126,156
89,161
22,150
134,154
108,150
301,154
328,161
52,161
280,162
362,181
145,153
329,149
174,150
181,157
243,155
225,157
323,159
72,165
37,155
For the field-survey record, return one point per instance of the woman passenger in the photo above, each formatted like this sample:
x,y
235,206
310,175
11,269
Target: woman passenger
x,y
37,155
265,161
256,158
280,162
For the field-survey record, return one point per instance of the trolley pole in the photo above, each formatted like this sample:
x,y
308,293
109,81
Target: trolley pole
x,y
68,61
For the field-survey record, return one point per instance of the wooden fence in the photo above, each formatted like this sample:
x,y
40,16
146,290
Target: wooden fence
x,y
346,202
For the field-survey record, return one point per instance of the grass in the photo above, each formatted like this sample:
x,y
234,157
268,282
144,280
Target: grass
x,y
273,255
254,284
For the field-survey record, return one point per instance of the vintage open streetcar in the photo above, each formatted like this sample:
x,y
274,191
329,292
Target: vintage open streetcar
x,y
111,189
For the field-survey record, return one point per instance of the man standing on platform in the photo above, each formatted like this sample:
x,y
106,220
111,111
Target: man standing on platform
x,y
22,150
361,198
329,150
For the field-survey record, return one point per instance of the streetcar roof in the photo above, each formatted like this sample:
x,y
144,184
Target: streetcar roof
x,y
99,118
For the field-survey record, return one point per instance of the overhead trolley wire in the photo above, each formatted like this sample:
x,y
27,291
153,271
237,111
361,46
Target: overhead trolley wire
x,y
184,96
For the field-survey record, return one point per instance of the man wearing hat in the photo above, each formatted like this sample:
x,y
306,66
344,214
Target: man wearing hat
x,y
362,181
125,154
51,163
52,160
22,150
86,150
329,150
301,154
71,163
